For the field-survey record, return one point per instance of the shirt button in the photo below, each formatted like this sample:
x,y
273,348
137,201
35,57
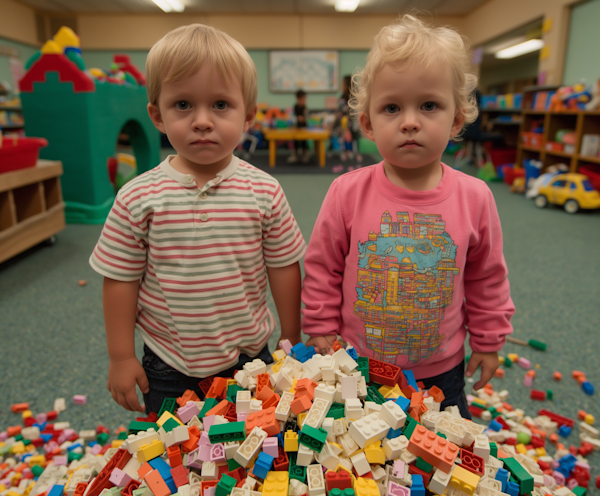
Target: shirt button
x,y
189,180
203,196
204,217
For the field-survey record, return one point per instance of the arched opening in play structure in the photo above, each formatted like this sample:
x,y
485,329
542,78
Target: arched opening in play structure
x,y
131,156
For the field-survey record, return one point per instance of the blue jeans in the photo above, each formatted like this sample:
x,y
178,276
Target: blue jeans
x,y
452,384
166,382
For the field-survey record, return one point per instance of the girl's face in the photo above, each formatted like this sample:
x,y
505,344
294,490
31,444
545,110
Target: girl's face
x,y
412,115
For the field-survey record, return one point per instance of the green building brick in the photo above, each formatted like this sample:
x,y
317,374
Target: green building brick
x,y
579,491
102,438
374,395
521,475
313,438
170,424
336,410
363,367
409,427
74,456
122,436
423,465
209,404
298,473
232,464
225,485
341,492
168,405
549,394
37,470
507,362
232,391
136,426
493,449
223,433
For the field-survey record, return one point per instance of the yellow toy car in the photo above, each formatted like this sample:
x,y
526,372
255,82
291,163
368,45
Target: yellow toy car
x,y
571,190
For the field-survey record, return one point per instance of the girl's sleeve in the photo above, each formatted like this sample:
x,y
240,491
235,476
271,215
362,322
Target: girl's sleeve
x,y
487,291
324,268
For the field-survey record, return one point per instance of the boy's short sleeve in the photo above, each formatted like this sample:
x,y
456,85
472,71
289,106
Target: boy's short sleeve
x,y
283,244
120,253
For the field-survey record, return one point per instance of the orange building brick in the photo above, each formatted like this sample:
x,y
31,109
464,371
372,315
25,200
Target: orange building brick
x,y
434,449
265,419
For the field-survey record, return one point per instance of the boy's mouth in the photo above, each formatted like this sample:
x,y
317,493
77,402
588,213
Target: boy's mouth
x,y
203,142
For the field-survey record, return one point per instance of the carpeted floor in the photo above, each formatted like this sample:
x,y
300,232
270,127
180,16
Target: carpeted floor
x,y
52,336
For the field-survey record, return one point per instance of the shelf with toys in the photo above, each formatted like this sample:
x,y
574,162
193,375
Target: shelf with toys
x,y
560,126
11,113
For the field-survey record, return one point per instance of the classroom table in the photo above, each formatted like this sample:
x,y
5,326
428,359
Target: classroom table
x,y
318,136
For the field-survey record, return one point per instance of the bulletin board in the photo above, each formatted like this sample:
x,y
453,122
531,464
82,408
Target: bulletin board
x,y
314,71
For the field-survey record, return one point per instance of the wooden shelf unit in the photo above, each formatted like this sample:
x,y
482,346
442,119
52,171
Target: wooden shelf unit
x,y
582,122
31,207
491,120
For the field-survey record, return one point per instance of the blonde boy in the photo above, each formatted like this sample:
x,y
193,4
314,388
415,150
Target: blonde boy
x,y
406,255
188,247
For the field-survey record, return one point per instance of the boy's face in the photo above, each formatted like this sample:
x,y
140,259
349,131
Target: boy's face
x,y
412,115
301,100
204,117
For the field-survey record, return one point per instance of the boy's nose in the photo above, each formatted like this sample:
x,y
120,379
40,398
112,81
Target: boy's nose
x,y
202,120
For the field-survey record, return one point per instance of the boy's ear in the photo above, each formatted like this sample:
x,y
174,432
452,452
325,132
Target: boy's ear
x,y
156,118
250,116
458,123
366,126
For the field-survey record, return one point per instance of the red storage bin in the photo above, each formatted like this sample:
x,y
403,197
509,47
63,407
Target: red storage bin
x,y
19,153
510,174
592,171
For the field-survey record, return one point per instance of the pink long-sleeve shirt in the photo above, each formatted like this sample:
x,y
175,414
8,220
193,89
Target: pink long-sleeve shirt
x,y
404,275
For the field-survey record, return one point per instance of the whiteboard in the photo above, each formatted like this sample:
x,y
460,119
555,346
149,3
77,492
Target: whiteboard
x,y
311,70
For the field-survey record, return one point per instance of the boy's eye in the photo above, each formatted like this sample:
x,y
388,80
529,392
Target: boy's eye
x,y
391,109
182,105
221,105
429,106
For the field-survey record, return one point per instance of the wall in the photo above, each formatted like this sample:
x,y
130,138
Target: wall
x,y
17,22
24,53
583,56
496,17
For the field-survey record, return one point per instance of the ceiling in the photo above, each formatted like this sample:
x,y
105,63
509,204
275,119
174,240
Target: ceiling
x,y
438,7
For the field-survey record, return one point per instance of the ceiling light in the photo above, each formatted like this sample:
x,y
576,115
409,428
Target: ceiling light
x,y
520,49
346,5
170,5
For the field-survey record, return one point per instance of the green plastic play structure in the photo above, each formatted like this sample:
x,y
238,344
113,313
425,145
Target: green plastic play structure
x,y
81,117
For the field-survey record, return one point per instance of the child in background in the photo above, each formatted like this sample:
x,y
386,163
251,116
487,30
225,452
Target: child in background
x,y
301,114
188,246
406,255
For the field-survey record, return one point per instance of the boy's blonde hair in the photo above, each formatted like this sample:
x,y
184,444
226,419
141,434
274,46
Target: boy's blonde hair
x,y
180,53
413,41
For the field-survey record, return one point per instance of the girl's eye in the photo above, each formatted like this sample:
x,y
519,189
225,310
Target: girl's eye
x,y
182,105
221,105
429,106
391,109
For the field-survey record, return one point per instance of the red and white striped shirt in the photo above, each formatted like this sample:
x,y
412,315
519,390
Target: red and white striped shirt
x,y
201,255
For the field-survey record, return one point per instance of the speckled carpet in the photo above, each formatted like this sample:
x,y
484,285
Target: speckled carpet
x,y
52,337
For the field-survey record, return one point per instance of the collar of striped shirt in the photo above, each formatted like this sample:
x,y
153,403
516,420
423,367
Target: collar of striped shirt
x,y
184,179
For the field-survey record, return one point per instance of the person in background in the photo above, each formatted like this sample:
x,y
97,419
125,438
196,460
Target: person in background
x,y
301,115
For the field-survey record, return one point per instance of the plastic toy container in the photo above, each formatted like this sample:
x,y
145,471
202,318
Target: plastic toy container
x,y
20,153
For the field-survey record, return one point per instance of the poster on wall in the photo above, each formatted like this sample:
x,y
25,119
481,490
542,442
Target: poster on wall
x,y
313,71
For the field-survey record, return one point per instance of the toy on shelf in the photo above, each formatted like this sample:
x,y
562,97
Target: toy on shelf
x,y
81,113
574,97
571,190
594,103
535,183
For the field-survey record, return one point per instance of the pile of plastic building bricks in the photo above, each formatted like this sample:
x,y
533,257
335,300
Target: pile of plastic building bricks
x,y
336,425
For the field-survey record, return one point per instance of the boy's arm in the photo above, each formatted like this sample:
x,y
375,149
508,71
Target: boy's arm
x,y
124,370
487,295
286,284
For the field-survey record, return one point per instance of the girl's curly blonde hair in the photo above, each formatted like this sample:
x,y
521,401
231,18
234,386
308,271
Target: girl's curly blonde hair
x,y
410,40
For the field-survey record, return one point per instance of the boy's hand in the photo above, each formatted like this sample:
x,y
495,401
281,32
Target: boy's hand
x,y
322,344
123,375
488,362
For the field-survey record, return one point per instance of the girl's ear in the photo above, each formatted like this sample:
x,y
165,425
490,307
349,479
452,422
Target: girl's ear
x,y
156,118
458,123
366,126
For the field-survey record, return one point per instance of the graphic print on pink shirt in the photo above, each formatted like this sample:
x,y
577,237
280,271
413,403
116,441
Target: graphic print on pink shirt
x,y
405,281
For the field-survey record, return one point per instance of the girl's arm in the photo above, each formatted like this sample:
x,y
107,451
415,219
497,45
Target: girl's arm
x,y
124,371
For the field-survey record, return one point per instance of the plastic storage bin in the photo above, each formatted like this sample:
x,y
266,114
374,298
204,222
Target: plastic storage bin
x,y
20,153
